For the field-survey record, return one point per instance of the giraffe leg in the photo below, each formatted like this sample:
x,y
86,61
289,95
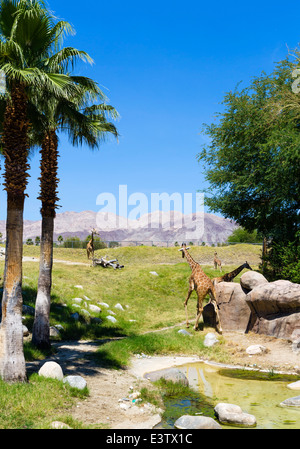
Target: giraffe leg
x,y
199,313
185,303
215,304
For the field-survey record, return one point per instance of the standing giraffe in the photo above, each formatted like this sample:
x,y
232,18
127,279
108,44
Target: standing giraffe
x,y
90,246
217,262
203,285
228,277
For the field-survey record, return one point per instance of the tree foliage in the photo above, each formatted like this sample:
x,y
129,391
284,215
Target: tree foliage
x,y
253,161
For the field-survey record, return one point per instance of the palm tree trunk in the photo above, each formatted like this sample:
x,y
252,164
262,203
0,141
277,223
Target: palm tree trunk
x,y
12,361
49,181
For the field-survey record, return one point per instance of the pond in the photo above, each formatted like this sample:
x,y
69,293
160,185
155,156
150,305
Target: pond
x,y
257,397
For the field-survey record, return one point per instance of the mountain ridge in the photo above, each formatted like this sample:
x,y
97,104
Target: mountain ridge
x,y
152,227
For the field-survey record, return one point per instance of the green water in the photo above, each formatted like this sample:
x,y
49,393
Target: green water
x,y
259,398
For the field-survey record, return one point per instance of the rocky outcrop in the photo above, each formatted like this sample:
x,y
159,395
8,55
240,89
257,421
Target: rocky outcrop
x,y
275,308
269,308
233,309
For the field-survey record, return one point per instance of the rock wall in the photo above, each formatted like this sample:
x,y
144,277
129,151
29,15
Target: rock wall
x,y
269,308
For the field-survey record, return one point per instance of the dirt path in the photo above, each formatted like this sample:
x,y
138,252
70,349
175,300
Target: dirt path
x,y
107,386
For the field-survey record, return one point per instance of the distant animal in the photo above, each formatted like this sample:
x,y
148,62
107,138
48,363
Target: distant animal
x,y
217,262
228,277
203,285
90,246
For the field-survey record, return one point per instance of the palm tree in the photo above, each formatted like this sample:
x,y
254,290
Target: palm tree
x,y
28,36
84,125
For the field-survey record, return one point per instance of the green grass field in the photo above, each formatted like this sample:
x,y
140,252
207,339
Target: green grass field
x,y
151,303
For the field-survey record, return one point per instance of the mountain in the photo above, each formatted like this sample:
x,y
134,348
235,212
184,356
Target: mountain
x,y
149,228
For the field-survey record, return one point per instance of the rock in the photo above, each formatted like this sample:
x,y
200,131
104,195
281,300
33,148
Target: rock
x,y
256,349
94,309
77,300
28,310
96,320
124,406
25,331
54,332
291,402
233,415
86,298
294,385
233,310
59,425
172,374
275,308
252,279
119,307
153,273
296,346
184,332
103,304
111,319
51,369
196,422
76,382
210,340
78,286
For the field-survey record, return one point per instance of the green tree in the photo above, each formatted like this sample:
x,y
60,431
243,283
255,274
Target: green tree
x,y
241,235
253,159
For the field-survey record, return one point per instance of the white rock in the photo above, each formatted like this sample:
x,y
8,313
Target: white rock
x,y
59,425
78,286
210,340
51,369
256,349
103,304
76,382
184,332
78,300
25,331
119,307
294,385
111,319
95,309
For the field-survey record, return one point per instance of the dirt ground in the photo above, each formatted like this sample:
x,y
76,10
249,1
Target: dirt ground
x,y
106,405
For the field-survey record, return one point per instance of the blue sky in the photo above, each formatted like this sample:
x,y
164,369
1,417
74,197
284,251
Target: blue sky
x,y
165,66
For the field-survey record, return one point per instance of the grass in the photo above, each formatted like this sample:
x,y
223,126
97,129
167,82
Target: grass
x,y
150,304
36,403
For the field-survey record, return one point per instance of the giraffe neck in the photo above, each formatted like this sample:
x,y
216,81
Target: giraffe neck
x,y
190,260
234,273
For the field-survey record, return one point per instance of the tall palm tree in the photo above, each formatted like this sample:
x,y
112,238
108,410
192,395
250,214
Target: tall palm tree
x,y
28,35
84,125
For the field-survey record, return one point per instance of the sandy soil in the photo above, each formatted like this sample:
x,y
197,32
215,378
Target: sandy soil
x,y
108,387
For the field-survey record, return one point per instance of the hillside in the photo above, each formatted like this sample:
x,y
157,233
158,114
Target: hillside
x,y
150,228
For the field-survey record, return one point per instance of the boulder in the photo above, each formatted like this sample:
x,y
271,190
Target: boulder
x,y
196,422
210,340
51,369
256,349
76,382
233,415
291,402
275,308
252,279
94,309
172,374
233,310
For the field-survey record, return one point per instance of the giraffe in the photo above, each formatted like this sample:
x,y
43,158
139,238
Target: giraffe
x,y
90,246
217,262
203,285
228,277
